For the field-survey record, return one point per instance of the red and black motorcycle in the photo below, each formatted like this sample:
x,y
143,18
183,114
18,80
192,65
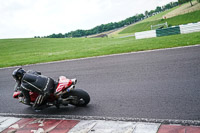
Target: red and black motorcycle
x,y
65,94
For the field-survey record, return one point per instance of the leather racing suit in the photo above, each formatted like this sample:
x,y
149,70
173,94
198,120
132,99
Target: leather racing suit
x,y
33,81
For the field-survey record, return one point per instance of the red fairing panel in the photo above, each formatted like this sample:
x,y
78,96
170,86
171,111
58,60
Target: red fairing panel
x,y
63,83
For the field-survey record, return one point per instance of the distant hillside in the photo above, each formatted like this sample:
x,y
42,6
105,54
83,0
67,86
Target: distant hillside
x,y
191,17
183,9
113,25
140,22
178,15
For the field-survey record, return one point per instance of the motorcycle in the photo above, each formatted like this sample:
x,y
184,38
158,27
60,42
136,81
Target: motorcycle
x,y
64,94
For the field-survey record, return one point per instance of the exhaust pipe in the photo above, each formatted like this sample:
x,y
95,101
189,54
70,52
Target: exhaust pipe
x,y
74,81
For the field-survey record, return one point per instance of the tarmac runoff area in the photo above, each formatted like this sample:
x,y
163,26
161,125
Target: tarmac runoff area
x,y
52,125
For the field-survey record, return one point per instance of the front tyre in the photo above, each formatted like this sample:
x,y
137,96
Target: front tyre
x,y
78,97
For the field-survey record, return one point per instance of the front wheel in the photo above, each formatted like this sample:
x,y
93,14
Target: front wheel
x,y
78,97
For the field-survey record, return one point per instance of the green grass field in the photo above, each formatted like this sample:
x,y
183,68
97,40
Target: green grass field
x,y
30,51
177,20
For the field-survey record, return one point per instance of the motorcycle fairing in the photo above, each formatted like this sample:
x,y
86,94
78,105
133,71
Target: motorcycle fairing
x,y
63,84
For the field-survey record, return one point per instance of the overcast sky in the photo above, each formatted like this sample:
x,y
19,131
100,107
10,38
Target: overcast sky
x,y
29,18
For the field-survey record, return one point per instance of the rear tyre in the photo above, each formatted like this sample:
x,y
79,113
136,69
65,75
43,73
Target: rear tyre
x,y
78,97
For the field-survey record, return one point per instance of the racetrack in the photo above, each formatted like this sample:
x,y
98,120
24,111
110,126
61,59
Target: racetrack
x,y
160,84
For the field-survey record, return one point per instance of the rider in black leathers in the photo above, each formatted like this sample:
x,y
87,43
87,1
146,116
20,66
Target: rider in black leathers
x,y
32,81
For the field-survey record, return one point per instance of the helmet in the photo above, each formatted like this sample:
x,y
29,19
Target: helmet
x,y
18,74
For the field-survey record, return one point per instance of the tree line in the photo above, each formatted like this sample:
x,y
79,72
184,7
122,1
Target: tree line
x,y
185,1
113,25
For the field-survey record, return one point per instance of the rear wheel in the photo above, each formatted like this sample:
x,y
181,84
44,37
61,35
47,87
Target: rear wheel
x,y
77,97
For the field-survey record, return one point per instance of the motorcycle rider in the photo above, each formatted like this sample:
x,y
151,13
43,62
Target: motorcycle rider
x,y
33,81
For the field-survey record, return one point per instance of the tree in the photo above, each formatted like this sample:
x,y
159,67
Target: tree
x,y
168,6
158,9
198,1
185,1
190,2
141,16
151,13
146,13
36,36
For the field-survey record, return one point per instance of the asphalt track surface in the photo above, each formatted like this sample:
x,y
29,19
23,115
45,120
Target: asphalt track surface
x,y
161,84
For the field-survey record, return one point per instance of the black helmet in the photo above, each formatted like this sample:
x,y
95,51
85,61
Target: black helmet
x,y
18,74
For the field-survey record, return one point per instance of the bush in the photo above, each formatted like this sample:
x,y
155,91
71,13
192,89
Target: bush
x,y
198,1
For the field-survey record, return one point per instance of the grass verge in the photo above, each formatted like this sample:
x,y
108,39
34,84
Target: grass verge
x,y
15,52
